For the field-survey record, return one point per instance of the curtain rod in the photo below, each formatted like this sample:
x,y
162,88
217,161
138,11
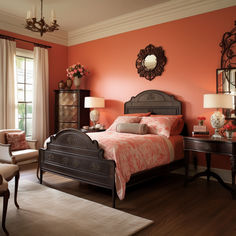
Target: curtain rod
x,y
13,38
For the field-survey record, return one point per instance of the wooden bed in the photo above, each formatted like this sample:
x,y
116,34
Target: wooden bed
x,y
73,154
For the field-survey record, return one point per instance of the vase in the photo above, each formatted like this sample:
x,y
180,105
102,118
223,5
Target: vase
x,y
201,122
61,85
229,134
76,82
69,83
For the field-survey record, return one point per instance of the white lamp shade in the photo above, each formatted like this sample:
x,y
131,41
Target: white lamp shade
x,y
94,102
218,101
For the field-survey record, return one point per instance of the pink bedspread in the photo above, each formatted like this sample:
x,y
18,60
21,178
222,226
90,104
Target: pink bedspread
x,y
133,153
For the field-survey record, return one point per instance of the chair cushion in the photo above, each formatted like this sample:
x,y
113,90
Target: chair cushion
x,y
24,155
17,140
8,171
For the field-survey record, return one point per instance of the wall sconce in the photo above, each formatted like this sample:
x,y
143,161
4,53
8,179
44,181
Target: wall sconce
x,y
217,101
94,102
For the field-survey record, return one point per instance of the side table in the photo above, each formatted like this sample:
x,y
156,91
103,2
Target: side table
x,y
208,146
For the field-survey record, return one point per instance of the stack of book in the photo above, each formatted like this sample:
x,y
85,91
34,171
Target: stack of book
x,y
200,130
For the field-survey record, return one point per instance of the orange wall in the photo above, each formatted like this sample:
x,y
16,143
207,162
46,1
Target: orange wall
x,y
57,66
193,53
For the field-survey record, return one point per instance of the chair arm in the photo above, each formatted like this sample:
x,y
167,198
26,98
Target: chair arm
x,y
3,185
32,143
5,153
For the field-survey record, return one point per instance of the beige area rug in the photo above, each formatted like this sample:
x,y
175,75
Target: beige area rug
x,y
45,211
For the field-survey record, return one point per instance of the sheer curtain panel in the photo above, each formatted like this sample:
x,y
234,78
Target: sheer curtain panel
x,y
40,115
7,84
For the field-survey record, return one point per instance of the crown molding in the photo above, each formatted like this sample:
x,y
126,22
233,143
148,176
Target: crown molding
x,y
15,24
161,13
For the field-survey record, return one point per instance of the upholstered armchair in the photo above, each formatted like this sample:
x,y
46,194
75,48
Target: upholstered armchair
x,y
18,155
7,172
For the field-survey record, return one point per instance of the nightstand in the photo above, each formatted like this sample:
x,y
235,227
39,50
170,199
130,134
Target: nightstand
x,y
92,130
208,146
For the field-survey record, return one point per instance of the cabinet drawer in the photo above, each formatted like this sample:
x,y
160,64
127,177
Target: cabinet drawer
x,y
209,146
68,114
200,146
68,99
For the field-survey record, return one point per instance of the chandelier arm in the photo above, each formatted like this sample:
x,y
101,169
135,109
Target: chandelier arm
x,y
41,9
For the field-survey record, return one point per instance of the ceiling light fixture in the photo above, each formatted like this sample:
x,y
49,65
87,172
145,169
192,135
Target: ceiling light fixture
x,y
40,25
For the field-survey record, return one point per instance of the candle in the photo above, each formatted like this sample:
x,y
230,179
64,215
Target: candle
x,y
28,14
34,12
53,15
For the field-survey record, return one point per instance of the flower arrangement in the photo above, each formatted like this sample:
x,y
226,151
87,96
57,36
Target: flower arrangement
x,y
228,127
76,70
201,119
228,130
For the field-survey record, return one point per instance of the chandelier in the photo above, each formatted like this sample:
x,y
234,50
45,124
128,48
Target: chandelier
x,y
40,25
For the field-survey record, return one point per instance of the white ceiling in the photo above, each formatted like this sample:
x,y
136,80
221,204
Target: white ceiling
x,y
75,14
85,20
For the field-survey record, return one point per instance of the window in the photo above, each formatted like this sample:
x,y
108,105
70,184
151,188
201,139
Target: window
x,y
24,78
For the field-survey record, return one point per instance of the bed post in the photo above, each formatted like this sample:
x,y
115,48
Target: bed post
x,y
114,189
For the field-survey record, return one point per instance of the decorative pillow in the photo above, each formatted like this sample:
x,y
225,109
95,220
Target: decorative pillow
x,y
132,128
123,119
177,126
17,140
138,114
159,125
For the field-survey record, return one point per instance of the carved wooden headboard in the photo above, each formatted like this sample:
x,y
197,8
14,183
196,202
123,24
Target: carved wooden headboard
x,y
154,101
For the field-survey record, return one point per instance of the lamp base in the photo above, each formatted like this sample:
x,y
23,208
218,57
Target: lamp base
x,y
94,116
216,134
217,121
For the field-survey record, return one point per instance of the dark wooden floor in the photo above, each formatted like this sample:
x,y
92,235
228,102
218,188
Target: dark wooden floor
x,y
198,209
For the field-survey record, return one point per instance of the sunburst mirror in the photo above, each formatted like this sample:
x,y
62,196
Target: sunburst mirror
x,y
150,62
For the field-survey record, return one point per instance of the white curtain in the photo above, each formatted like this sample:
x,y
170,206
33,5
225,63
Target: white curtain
x,y
40,116
7,84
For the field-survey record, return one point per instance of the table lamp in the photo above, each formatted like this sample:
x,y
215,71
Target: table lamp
x,y
94,102
217,101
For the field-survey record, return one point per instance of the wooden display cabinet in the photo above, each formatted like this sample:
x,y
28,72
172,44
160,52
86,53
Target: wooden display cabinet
x,y
69,109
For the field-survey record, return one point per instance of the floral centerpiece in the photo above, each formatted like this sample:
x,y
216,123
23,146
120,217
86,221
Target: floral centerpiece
x,y
75,72
201,120
228,128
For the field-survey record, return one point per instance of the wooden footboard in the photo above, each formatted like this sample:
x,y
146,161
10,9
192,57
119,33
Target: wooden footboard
x,y
73,154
